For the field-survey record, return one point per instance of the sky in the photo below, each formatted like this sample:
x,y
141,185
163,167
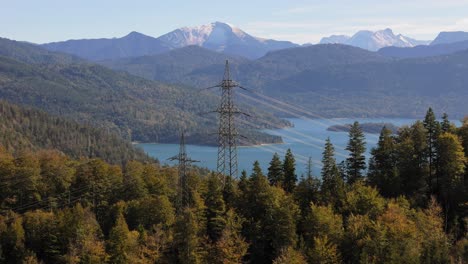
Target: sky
x,y
298,21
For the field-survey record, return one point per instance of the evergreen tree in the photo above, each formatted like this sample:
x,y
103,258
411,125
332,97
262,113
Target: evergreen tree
x,y
445,125
356,162
332,189
289,170
433,131
307,191
187,240
230,192
452,164
256,171
275,171
215,208
243,182
383,171
412,163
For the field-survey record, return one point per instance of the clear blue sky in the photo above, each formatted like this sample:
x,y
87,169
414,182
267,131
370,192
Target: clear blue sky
x,y
299,21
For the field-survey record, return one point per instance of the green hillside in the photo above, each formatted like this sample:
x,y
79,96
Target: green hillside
x,y
29,129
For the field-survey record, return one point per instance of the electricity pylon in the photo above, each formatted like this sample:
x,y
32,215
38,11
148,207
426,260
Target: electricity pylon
x,y
183,199
227,164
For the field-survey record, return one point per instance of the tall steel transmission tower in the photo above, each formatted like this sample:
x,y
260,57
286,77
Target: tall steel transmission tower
x,y
227,133
183,199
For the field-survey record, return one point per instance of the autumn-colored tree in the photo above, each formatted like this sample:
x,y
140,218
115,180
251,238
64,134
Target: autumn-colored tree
x,y
119,244
231,247
290,256
363,200
324,251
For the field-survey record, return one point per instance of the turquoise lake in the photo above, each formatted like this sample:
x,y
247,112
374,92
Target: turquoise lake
x,y
305,139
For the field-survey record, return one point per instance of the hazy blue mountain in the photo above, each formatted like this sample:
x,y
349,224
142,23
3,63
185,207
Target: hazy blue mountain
x,y
173,65
335,39
280,64
202,68
423,50
216,36
343,81
30,53
401,88
374,41
131,45
450,37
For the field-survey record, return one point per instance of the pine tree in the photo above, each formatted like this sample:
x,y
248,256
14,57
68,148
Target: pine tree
x,y
412,162
445,125
256,171
215,208
230,192
243,182
289,170
307,191
187,240
275,171
356,162
433,131
452,164
332,190
383,172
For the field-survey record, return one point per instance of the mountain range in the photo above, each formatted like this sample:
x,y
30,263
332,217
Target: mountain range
x,y
332,80
216,36
230,40
374,41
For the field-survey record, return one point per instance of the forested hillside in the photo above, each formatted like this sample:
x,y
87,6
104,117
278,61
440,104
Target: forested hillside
x,y
28,129
341,81
137,109
175,64
274,65
408,207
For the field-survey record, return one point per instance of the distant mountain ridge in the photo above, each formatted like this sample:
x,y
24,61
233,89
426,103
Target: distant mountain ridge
x,y
217,36
450,37
424,50
174,64
373,41
336,80
132,45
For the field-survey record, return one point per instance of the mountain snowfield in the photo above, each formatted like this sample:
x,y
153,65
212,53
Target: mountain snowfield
x,y
374,40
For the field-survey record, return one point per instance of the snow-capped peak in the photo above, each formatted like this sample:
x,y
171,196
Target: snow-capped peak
x,y
216,32
374,40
